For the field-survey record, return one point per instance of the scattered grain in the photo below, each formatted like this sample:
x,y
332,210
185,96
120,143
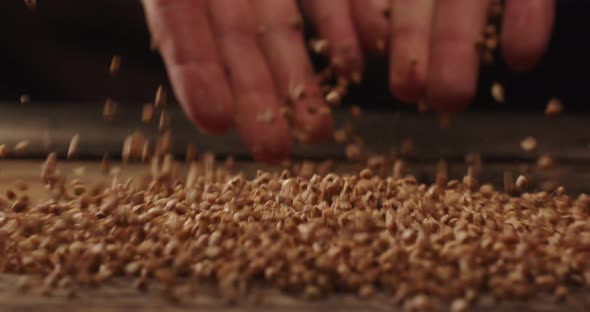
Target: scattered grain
x,y
161,97
115,65
497,92
73,148
528,144
109,110
554,108
25,99
545,161
356,111
22,147
147,113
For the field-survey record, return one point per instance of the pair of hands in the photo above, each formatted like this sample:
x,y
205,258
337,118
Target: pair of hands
x,y
232,61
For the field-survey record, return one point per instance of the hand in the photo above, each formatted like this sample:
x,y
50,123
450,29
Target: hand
x,y
432,42
234,63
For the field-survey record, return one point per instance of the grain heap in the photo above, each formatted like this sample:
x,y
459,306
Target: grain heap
x,y
328,233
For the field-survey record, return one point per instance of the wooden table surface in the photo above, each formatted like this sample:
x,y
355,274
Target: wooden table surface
x,y
495,136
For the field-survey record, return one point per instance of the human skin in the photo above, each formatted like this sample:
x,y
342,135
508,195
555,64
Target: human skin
x,y
231,61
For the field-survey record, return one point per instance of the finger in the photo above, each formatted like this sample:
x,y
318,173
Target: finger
x,y
186,43
411,26
458,25
282,42
371,18
333,21
257,105
526,31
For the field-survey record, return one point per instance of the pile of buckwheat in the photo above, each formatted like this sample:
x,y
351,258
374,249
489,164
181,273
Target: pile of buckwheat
x,y
363,233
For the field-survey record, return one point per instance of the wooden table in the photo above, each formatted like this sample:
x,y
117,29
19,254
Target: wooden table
x,y
495,136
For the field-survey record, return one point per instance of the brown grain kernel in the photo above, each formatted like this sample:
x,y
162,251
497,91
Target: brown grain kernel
x,y
366,291
522,182
333,97
545,161
353,152
296,91
311,292
3,151
127,151
324,110
528,144
459,305
31,4
161,98
265,116
165,120
340,135
554,108
25,99
21,147
285,112
73,148
355,111
115,65
319,46
109,110
497,92
147,113
19,205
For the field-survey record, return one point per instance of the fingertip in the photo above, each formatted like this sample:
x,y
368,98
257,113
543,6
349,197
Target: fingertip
x,y
452,81
452,85
450,100
204,95
527,29
408,85
211,123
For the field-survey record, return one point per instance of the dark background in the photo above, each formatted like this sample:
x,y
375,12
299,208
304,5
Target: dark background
x,y
61,52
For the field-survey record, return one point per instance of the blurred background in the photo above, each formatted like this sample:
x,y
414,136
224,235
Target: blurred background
x,y
61,52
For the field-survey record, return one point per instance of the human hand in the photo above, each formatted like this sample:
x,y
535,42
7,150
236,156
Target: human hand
x,y
234,63
432,43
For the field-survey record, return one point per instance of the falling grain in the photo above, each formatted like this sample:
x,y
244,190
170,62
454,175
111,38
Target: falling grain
x,y
22,147
319,46
25,99
266,116
147,113
161,97
3,151
528,144
554,108
73,148
497,92
109,109
115,65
